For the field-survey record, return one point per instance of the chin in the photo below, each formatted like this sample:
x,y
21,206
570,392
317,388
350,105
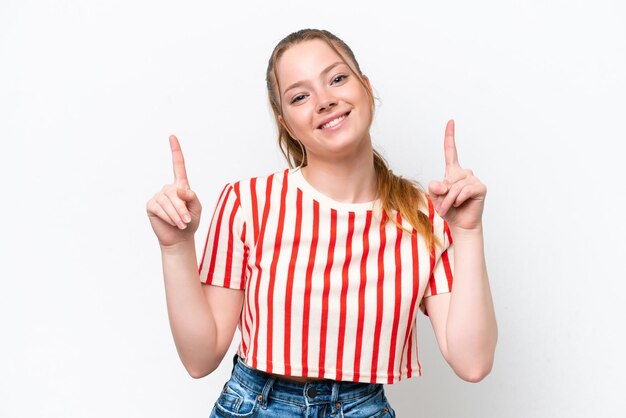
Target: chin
x,y
343,143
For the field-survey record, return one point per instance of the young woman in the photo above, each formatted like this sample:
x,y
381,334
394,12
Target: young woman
x,y
321,266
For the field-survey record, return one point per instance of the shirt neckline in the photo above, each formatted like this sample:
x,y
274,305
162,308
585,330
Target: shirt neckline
x,y
308,189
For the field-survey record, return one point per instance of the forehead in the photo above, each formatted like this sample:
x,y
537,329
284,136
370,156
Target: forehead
x,y
305,60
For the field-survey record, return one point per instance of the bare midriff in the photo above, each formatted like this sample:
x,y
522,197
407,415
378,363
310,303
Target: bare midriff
x,y
298,378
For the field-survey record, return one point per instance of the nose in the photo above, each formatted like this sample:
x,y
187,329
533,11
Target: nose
x,y
325,102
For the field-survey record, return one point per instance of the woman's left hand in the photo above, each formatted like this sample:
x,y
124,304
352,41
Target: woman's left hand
x,y
460,198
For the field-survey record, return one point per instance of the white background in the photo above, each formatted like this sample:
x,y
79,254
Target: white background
x,y
90,91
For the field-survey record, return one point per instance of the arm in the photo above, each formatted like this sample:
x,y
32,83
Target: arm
x,y
203,318
464,320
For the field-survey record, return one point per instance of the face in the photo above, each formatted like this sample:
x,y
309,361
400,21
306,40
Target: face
x,y
324,104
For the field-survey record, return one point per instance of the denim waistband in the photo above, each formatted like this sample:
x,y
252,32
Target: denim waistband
x,y
299,392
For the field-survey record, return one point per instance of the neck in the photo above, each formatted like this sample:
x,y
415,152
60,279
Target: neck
x,y
350,180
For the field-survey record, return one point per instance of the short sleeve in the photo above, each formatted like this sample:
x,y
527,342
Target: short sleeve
x,y
442,261
224,256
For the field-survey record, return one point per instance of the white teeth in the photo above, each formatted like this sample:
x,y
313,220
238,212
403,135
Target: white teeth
x,y
333,122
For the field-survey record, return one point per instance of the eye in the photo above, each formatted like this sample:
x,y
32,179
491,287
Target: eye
x,y
297,99
340,78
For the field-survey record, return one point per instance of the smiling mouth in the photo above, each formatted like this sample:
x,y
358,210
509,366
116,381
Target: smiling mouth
x,y
334,122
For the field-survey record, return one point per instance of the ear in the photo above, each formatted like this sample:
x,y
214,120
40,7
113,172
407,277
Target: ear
x,y
282,121
368,84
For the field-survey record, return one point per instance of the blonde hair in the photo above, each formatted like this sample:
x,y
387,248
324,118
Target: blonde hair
x,y
395,192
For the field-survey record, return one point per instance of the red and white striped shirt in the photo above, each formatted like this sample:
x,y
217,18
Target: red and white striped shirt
x,y
329,292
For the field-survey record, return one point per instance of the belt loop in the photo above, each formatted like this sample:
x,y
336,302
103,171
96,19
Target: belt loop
x,y
266,391
334,405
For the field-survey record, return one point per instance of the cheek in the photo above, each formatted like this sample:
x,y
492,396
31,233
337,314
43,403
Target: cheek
x,y
358,96
299,120
366,105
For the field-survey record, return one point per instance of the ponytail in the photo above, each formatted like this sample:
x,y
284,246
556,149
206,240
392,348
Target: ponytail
x,y
405,196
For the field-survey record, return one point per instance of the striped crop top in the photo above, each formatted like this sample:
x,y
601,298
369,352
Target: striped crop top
x,y
329,292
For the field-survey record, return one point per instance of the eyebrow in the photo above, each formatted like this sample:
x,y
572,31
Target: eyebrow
x,y
324,71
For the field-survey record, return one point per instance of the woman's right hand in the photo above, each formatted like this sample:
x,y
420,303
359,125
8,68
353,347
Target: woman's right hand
x,y
174,212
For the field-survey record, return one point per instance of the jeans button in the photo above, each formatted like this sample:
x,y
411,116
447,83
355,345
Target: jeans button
x,y
311,392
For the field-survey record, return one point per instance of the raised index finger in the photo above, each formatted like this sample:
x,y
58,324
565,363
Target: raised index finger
x,y
449,145
180,174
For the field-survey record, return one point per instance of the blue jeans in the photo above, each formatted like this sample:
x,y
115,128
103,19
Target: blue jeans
x,y
254,393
